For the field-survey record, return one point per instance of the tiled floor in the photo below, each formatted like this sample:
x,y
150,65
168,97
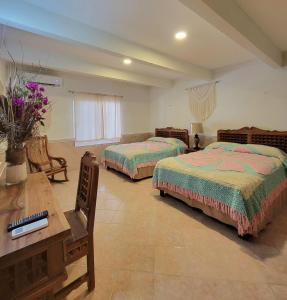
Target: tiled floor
x,y
147,247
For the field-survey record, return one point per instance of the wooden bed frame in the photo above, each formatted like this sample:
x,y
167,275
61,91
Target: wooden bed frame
x,y
168,132
245,135
181,134
253,135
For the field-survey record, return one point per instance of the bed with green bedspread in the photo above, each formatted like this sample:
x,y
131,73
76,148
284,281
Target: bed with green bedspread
x,y
129,158
241,181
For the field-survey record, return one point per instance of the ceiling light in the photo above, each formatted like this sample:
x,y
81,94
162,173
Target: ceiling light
x,y
127,61
181,35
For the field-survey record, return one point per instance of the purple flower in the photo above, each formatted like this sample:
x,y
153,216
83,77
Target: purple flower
x,y
45,101
36,106
44,110
42,89
18,101
32,86
39,95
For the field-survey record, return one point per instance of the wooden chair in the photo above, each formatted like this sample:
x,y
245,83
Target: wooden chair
x,y
40,160
81,220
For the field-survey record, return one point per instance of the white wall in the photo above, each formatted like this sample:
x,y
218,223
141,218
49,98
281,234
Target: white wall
x,y
135,104
251,95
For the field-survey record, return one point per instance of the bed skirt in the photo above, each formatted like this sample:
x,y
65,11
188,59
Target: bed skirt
x,y
270,215
143,172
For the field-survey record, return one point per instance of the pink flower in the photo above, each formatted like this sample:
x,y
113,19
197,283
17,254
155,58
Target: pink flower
x,y
42,89
32,86
18,101
39,95
45,101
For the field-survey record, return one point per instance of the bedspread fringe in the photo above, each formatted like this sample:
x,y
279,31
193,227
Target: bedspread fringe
x,y
244,226
131,173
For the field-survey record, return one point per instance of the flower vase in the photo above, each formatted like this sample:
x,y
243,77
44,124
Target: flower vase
x,y
16,170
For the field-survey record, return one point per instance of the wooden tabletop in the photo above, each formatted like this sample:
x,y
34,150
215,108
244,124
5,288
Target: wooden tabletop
x,y
17,201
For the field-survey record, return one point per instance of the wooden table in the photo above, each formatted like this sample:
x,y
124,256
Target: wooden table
x,y
32,265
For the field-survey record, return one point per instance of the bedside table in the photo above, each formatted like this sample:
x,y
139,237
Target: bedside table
x,y
190,150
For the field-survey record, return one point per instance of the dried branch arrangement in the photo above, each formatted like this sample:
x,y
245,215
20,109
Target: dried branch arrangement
x,y
22,111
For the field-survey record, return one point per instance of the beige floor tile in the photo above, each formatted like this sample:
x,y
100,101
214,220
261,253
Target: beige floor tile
x,y
280,291
211,262
120,256
104,216
223,263
134,216
184,288
139,258
168,235
170,260
133,286
110,255
149,247
103,288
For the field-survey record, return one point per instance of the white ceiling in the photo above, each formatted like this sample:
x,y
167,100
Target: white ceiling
x,y
270,16
152,24
44,50
93,36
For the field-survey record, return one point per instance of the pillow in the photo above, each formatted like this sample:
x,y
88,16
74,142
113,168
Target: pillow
x,y
171,141
251,148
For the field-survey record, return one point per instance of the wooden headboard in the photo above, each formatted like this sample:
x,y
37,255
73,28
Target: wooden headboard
x,y
181,134
253,135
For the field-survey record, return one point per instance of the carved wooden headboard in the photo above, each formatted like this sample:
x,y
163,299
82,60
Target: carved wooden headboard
x,y
253,135
181,134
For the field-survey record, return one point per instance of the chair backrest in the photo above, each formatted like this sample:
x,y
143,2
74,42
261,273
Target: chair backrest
x,y
37,152
88,188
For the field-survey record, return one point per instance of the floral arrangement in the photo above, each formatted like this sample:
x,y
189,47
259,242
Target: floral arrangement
x,y
22,110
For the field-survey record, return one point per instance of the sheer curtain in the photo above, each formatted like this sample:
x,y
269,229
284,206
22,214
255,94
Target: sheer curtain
x,y
97,118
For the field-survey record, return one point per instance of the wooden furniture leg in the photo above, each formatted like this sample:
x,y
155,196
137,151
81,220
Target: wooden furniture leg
x,y
90,266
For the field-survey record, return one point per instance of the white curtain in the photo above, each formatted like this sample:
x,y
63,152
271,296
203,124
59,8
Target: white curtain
x,y
96,118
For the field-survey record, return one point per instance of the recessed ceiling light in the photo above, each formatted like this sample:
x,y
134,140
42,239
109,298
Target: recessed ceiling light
x,y
180,35
127,61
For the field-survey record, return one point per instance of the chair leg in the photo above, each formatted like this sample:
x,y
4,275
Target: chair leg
x,y
91,266
66,175
52,177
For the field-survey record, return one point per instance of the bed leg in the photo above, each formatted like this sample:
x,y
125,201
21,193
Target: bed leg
x,y
245,237
162,193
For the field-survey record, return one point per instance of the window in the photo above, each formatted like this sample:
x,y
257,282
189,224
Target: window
x,y
97,119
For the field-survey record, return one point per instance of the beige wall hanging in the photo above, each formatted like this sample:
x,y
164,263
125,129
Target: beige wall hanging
x,y
202,100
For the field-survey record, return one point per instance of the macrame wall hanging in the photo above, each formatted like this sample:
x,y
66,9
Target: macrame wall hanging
x,y
202,100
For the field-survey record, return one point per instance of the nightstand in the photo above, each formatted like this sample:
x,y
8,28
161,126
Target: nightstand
x,y
190,150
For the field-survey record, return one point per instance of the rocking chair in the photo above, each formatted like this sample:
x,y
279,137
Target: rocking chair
x,y
39,159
